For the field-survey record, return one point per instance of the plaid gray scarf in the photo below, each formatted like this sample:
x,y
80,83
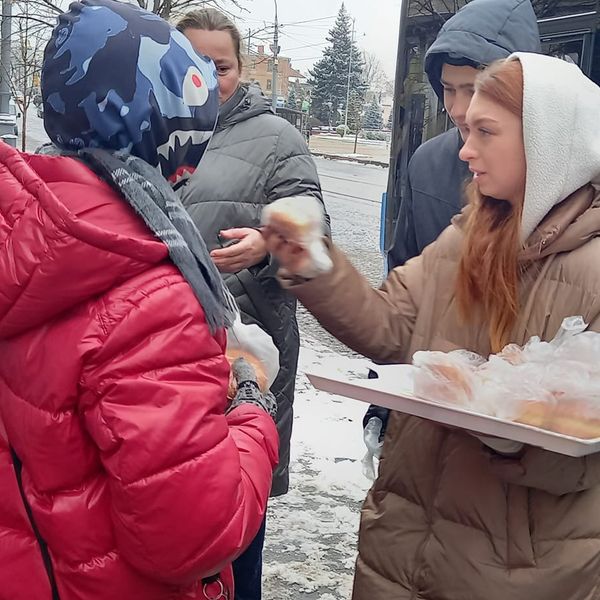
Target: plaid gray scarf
x,y
156,203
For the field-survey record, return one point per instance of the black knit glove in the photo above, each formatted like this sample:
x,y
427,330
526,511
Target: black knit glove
x,y
248,391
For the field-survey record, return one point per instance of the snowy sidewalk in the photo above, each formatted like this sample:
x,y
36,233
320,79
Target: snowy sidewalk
x,y
312,531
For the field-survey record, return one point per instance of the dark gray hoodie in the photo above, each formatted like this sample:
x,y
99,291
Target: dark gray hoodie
x,y
481,32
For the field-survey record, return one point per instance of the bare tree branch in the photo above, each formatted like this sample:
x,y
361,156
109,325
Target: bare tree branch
x,y
47,4
374,73
165,8
26,62
43,23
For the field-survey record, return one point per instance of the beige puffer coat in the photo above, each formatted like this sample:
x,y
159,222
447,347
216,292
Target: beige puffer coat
x,y
447,519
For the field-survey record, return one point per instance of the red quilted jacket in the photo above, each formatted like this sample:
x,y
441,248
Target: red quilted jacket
x,y
112,396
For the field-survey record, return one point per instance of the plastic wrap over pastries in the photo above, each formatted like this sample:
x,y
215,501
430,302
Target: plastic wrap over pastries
x,y
259,368
552,385
250,342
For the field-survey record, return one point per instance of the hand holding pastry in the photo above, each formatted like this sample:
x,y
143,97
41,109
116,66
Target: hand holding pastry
x,y
294,231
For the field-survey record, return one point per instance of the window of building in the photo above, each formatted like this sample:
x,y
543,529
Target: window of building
x,y
269,84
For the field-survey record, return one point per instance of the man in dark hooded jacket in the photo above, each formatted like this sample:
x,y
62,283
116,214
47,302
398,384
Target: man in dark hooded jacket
x,y
480,33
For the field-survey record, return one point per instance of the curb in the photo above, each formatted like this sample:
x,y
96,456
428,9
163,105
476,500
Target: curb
x,y
362,161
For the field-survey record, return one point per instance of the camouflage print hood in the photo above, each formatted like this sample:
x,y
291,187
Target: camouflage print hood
x,y
120,78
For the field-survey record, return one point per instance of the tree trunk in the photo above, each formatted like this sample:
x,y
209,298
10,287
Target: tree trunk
x,y
23,130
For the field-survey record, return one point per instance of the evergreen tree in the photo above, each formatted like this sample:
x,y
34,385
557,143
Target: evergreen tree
x,y
329,76
373,117
391,119
292,97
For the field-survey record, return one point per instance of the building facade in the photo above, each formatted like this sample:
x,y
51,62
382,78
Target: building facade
x,y
258,68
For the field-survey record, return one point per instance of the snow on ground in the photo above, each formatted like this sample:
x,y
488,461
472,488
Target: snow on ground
x,y
312,531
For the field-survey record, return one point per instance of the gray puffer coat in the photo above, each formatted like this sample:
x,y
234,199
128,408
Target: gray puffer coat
x,y
253,159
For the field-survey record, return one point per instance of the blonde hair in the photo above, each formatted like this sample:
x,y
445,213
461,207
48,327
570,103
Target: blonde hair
x,y
210,19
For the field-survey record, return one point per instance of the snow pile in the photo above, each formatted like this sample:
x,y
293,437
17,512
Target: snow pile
x,y
310,548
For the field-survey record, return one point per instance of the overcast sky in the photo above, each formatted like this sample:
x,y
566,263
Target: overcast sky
x,y
376,27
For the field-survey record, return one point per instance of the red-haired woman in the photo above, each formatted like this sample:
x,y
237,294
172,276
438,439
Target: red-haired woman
x,y
450,518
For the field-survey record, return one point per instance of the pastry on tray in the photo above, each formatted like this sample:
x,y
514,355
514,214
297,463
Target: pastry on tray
x,y
560,396
571,418
447,378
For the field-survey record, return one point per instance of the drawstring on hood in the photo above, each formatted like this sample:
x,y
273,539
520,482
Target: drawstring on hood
x,y
561,134
480,33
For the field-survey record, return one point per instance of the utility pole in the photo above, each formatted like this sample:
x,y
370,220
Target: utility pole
x,y
349,77
249,41
5,58
275,50
7,124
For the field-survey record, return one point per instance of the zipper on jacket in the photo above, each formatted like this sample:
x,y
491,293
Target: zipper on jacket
x,y
18,467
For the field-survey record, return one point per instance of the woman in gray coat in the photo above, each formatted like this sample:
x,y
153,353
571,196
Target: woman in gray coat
x,y
253,159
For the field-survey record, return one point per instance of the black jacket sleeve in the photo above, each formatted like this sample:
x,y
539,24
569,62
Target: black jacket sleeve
x,y
405,245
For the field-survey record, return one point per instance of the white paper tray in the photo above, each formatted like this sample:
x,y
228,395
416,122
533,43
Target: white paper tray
x,y
394,390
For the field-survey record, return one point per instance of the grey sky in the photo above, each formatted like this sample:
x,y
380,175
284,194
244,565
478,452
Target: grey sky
x,y
376,27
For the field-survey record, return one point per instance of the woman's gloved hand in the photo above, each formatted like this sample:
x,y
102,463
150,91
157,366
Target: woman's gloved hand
x,y
248,391
250,340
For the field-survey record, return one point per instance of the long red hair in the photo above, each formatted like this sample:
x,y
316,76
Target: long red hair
x,y
487,285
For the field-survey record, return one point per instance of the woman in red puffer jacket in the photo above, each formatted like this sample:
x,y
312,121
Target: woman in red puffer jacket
x,y
124,475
